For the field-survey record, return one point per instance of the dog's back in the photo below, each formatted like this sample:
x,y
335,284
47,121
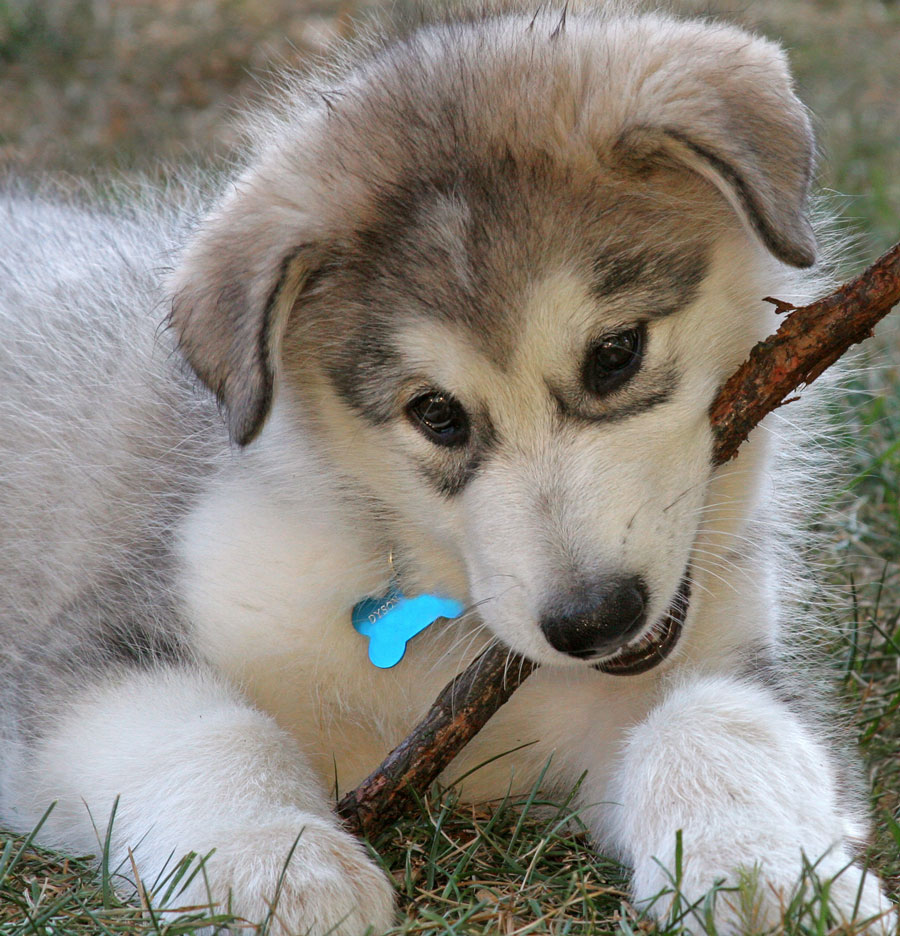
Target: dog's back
x,y
101,431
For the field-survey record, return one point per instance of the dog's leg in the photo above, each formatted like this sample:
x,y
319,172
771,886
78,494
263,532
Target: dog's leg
x,y
750,791
195,768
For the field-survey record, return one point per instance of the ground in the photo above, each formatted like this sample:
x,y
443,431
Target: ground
x,y
140,85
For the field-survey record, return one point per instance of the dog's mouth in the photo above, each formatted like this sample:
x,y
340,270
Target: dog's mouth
x,y
651,649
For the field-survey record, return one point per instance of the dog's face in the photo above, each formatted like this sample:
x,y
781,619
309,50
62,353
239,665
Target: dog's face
x,y
522,373
502,317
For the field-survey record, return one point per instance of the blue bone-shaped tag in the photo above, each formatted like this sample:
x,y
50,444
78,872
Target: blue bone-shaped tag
x,y
393,619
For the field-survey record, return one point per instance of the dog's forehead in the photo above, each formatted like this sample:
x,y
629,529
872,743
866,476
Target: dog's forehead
x,y
513,255
465,244
521,262
480,365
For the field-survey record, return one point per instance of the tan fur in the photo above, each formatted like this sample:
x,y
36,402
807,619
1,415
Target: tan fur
x,y
468,211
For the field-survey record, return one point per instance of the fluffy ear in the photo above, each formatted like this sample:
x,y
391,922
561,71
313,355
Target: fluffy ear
x,y
724,108
233,292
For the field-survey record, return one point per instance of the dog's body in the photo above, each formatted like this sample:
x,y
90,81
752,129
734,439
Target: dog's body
x,y
406,304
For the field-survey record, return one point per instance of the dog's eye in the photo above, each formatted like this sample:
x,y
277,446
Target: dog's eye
x,y
440,417
613,359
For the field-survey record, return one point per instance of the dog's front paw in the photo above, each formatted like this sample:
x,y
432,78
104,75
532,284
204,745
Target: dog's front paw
x,y
856,894
306,877
761,897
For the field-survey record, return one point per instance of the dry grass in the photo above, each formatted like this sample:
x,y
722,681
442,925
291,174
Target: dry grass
x,y
130,83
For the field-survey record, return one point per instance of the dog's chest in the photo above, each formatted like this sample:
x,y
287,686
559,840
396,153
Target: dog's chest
x,y
269,601
270,605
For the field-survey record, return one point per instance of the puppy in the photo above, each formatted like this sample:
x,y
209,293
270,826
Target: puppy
x,y
463,312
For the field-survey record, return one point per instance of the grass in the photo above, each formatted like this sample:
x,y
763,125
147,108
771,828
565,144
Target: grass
x,y
129,84
867,543
133,85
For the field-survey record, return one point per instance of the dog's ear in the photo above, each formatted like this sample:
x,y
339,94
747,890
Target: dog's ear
x,y
233,292
723,106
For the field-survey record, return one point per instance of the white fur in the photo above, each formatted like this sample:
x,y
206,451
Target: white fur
x,y
128,517
738,777
192,763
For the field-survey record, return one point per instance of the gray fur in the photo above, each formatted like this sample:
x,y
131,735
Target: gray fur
x,y
440,138
100,461
468,208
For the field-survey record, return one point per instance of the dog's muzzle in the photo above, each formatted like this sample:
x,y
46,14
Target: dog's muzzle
x,y
599,624
658,643
596,622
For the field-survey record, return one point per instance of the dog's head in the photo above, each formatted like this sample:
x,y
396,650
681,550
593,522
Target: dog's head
x,y
498,271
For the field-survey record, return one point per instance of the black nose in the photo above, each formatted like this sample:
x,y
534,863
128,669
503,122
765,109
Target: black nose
x,y
596,621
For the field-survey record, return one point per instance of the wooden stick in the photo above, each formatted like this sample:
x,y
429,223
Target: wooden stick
x,y
460,711
808,341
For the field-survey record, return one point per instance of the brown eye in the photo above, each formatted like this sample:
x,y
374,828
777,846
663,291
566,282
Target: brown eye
x,y
440,418
613,359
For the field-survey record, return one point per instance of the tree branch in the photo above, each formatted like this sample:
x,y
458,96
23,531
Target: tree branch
x,y
808,341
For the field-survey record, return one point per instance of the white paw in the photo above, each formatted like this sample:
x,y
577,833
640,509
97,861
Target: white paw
x,y
758,898
329,885
860,899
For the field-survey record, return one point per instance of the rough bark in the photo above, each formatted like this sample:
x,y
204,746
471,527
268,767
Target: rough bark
x,y
459,712
808,341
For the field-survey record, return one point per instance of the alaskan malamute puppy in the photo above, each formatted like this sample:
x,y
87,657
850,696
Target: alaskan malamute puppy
x,y
464,313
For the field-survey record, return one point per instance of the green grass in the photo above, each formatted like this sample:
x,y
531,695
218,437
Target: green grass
x,y
132,83
866,542
526,866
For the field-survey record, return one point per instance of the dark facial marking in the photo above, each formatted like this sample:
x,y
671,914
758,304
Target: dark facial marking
x,y
366,372
614,272
655,389
448,481
655,284
449,474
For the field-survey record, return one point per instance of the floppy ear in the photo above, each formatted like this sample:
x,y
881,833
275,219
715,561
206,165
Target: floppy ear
x,y
234,290
725,109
